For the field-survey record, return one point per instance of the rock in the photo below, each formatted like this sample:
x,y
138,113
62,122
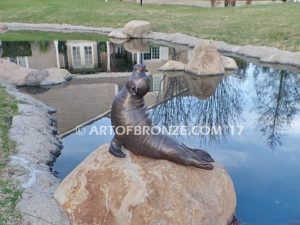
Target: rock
x,y
12,73
182,39
203,87
37,205
173,66
3,28
283,57
119,34
136,28
20,76
56,76
50,76
229,63
28,99
137,190
117,41
224,47
155,35
52,27
206,60
35,147
30,125
35,78
257,51
137,46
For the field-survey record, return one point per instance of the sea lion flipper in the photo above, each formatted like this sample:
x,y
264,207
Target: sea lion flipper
x,y
115,148
197,153
202,154
200,164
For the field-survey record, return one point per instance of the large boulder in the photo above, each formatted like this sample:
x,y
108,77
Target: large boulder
x,y
136,28
3,28
137,190
172,65
205,60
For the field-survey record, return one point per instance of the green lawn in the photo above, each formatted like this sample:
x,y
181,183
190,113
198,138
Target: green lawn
x,y
9,191
44,36
272,25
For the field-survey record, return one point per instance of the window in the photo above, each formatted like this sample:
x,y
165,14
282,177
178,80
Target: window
x,y
82,55
119,51
147,56
76,56
13,59
88,56
20,60
155,52
157,82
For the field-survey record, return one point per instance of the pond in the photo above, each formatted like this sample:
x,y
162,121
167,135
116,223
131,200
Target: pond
x,y
257,108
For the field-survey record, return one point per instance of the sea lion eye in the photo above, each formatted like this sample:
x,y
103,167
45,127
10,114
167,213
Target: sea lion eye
x,y
130,85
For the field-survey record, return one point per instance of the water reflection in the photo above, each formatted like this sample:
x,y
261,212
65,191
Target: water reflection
x,y
218,101
278,97
211,102
87,56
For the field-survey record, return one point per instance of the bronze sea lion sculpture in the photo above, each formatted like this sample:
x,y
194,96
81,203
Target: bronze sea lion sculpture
x,y
129,110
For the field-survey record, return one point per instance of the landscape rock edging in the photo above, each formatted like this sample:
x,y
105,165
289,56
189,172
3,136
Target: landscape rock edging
x,y
37,145
51,27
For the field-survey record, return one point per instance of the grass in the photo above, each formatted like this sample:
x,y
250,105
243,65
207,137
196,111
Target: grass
x,y
9,191
274,25
44,36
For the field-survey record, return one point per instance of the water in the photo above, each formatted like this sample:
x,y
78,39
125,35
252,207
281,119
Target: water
x,y
263,160
80,57
257,108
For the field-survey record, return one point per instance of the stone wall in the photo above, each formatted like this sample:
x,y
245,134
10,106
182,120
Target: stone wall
x,y
37,145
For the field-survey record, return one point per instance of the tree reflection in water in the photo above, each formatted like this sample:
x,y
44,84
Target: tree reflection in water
x,y
210,102
278,97
175,109
218,102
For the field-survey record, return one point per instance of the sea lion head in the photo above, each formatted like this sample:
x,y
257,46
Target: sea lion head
x,y
138,83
